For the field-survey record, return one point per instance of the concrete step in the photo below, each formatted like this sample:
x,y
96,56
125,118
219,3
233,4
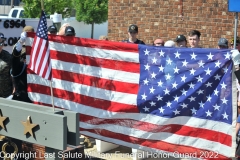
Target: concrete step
x,y
121,153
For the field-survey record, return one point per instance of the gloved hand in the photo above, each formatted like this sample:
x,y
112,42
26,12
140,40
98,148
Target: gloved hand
x,y
18,46
23,37
235,56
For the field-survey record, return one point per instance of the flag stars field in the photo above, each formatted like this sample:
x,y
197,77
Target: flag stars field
x,y
209,114
217,64
176,70
200,92
210,56
193,56
216,107
201,64
161,53
184,63
225,116
174,85
208,71
184,105
193,85
146,52
177,55
217,77
208,84
225,69
227,56
201,104
192,71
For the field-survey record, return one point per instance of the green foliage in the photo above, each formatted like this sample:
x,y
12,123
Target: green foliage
x,y
91,11
32,8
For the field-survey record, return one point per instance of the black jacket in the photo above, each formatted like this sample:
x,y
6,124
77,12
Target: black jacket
x,y
136,42
19,74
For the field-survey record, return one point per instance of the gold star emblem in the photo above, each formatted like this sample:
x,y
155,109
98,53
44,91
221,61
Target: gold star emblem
x,y
28,126
2,119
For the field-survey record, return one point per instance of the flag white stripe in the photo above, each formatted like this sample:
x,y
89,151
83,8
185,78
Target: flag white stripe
x,y
90,91
137,146
105,73
91,52
163,136
100,113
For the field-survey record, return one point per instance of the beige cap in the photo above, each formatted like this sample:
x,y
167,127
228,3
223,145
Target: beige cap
x,y
28,29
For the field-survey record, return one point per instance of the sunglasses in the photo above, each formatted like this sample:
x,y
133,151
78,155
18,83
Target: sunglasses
x,y
1,43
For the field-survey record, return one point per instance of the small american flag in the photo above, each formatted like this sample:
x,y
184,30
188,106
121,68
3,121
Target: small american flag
x,y
40,62
171,100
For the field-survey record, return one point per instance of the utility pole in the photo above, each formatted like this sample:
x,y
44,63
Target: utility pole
x,y
12,3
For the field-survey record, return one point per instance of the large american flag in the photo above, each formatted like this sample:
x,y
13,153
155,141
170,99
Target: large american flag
x,y
150,98
40,62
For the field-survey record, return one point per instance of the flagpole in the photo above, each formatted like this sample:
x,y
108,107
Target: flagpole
x,y
51,79
52,95
42,5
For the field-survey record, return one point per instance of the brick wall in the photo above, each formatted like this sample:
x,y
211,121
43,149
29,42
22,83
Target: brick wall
x,y
162,18
34,148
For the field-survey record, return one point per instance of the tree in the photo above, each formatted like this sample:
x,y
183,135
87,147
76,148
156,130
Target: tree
x,y
91,11
32,8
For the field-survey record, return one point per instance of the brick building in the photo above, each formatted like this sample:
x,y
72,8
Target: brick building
x,y
168,18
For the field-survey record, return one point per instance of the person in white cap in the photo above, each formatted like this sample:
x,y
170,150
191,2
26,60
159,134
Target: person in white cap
x,y
169,43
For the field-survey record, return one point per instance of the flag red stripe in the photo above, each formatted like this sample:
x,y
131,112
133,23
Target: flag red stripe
x,y
46,56
87,80
119,46
38,46
97,62
171,128
99,82
157,144
28,50
85,100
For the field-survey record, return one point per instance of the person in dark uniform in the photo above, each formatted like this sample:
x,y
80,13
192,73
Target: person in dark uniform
x,y
181,41
19,68
70,31
52,30
132,34
6,87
